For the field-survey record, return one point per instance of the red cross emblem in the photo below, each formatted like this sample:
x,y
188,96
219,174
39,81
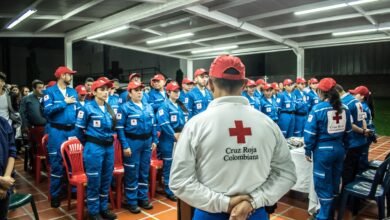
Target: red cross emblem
x,y
337,117
240,132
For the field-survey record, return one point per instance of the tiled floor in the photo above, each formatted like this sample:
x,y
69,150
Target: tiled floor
x,y
291,206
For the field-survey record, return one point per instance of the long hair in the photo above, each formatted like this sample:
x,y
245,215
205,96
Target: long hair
x,y
370,103
334,99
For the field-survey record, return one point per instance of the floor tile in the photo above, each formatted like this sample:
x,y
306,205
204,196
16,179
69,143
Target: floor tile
x,y
157,208
51,213
130,216
296,213
169,215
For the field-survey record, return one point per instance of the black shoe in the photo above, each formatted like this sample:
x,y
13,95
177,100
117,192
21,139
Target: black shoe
x,y
55,202
145,204
107,214
93,217
133,209
173,198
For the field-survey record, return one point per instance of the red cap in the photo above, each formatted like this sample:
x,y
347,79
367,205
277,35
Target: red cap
x,y
200,71
158,77
187,81
250,83
227,67
287,82
81,90
172,86
62,70
275,85
300,80
134,85
362,90
313,80
102,81
326,84
260,82
267,86
131,76
50,84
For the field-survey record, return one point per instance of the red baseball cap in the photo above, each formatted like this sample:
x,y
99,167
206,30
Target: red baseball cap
x,y
275,85
187,81
300,80
132,75
134,85
50,84
251,83
172,86
362,90
326,84
81,90
158,77
287,82
313,80
200,71
260,82
102,81
62,70
227,67
267,86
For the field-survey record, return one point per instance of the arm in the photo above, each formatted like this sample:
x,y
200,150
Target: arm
x,y
348,130
120,127
81,124
51,107
164,123
23,114
154,130
310,133
12,153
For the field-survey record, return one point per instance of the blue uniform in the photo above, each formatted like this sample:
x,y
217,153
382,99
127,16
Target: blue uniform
x,y
197,102
253,100
98,153
156,98
301,111
171,119
123,97
113,101
258,94
61,119
270,108
286,117
312,98
363,164
184,98
326,138
136,130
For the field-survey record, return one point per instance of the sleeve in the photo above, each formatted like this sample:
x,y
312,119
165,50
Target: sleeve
x,y
354,114
51,107
183,181
190,105
164,123
120,127
310,133
348,130
81,123
23,113
282,175
154,130
11,141
152,102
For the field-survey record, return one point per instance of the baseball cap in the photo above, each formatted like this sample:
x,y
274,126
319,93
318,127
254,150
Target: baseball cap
x,y
50,84
62,70
81,90
300,80
132,75
227,67
187,81
287,82
260,82
313,80
172,86
200,72
158,77
362,90
134,85
267,86
275,85
251,83
102,81
326,84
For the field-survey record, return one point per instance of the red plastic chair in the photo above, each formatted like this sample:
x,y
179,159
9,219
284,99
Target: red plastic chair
x,y
155,164
72,155
41,155
118,173
44,142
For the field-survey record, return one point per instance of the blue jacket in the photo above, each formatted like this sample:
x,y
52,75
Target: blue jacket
x,y
123,97
253,100
134,120
258,94
156,99
324,126
312,99
270,108
171,119
276,97
7,144
287,102
55,108
357,113
197,103
301,106
113,101
184,98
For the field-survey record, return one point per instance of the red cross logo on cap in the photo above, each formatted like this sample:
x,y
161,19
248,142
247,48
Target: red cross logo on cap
x,y
337,117
240,132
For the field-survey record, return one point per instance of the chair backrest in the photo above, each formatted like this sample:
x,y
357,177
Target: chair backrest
x,y
117,152
43,146
381,177
72,156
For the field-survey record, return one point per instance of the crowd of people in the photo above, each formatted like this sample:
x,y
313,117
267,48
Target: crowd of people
x,y
332,122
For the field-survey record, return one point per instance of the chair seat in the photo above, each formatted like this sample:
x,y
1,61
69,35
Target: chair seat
x,y
18,200
368,175
374,164
119,170
363,188
156,163
76,179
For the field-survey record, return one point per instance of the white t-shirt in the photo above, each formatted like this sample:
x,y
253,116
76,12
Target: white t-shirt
x,y
4,112
102,108
139,105
203,91
63,91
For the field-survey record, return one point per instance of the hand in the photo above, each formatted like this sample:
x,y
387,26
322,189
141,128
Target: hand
x,y
154,145
177,135
368,133
6,182
237,199
70,100
127,152
308,159
241,211
3,193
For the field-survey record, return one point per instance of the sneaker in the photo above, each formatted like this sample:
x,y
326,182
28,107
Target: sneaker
x,y
55,202
173,198
93,217
145,204
133,209
107,214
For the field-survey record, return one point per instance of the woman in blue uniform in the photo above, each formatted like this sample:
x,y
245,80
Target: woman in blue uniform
x,y
326,137
287,109
98,120
268,104
249,93
171,117
138,136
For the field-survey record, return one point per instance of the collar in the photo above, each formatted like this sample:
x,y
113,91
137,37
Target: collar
x,y
345,94
229,100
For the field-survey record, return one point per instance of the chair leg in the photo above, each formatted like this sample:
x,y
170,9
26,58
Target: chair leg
x,y
26,158
342,206
80,201
381,207
37,169
112,199
34,209
153,181
69,196
119,192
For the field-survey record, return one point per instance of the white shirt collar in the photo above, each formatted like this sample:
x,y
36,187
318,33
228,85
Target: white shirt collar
x,y
229,99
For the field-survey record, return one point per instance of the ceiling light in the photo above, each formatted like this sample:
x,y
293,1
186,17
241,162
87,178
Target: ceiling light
x,y
158,40
21,18
121,28
326,8
355,32
384,29
214,49
361,2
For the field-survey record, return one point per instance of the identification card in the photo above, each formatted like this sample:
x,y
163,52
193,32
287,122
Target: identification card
x,y
96,123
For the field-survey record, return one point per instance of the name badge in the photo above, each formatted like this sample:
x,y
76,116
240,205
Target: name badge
x,y
133,122
198,105
96,123
268,109
173,118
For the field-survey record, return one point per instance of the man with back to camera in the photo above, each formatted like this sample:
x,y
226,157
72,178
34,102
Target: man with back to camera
x,y
231,139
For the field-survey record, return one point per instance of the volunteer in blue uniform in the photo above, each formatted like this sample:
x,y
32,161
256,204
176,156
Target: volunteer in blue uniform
x,y
124,96
276,93
138,136
199,97
171,117
249,93
186,85
268,104
287,109
82,94
311,95
259,87
112,99
301,107
60,104
98,120
326,138
157,95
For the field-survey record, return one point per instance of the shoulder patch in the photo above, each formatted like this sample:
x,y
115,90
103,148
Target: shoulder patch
x,y
119,116
80,114
161,112
46,97
310,118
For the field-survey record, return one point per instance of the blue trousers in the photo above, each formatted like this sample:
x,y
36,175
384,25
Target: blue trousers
x,y
363,162
259,214
137,168
328,165
299,125
99,166
166,150
286,124
56,138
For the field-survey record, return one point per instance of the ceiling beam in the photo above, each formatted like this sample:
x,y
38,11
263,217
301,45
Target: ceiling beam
x,y
242,26
133,14
345,41
149,1
30,34
70,14
169,21
364,14
51,17
230,4
329,31
224,36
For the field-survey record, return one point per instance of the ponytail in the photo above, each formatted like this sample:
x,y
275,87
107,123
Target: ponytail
x,y
112,113
182,106
334,99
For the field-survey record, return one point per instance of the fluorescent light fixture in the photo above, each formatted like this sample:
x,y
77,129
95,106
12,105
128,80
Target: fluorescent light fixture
x,y
355,32
326,8
21,18
174,37
121,28
383,28
361,2
214,49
